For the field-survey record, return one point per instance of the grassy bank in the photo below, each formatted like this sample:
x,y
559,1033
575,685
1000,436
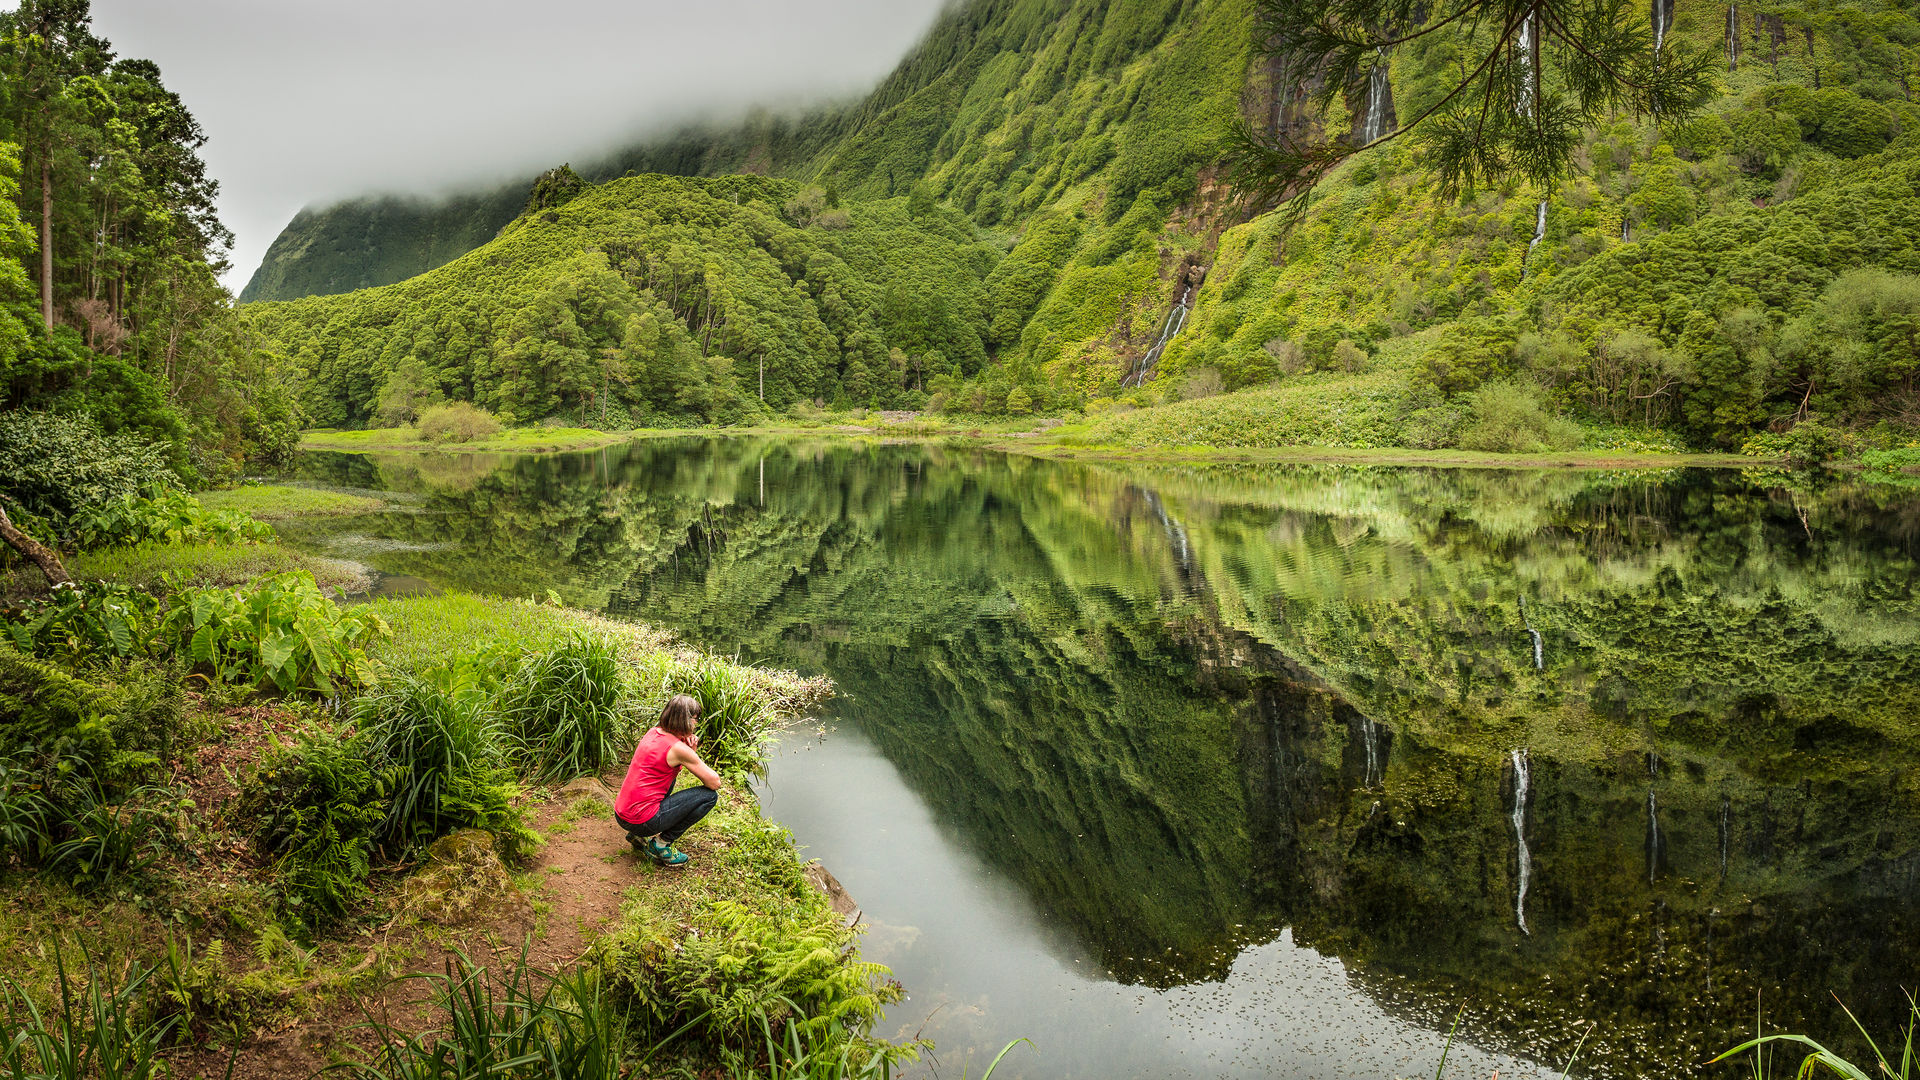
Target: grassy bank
x,y
1336,455
262,808
275,502
529,440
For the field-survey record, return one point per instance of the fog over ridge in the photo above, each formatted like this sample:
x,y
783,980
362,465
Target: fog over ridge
x,y
309,104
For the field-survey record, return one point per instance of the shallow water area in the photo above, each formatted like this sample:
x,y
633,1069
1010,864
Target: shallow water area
x,y
1275,770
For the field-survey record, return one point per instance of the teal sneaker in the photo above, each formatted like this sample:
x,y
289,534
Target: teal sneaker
x,y
664,853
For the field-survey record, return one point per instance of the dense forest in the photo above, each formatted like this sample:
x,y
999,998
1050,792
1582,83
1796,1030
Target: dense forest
x,y
110,250
1697,283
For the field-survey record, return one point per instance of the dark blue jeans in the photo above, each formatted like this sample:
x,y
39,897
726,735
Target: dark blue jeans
x,y
676,815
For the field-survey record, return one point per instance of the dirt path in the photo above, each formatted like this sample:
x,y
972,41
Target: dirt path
x,y
569,894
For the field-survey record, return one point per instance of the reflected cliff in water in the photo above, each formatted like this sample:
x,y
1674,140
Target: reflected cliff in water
x,y
1555,746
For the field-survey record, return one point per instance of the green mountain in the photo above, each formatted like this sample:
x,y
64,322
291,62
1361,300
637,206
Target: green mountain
x,y
1026,215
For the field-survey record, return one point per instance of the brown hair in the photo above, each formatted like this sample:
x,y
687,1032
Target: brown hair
x,y
680,715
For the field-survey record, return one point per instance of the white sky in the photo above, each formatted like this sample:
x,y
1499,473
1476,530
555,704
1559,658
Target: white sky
x,y
311,101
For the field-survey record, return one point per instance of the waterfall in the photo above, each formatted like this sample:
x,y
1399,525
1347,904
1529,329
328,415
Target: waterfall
x,y
1378,88
1539,234
1176,321
1662,19
1733,38
1370,736
1529,79
1524,859
1539,655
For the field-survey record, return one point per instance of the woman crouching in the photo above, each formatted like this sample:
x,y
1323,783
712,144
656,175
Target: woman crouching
x,y
653,818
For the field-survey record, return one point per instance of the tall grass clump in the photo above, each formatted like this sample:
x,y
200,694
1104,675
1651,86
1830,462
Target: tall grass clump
x,y
737,719
440,744
563,708
90,1034
519,1026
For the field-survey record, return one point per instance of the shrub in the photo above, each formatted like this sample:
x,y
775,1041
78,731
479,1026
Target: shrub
x,y
170,518
437,730
1203,382
563,708
1510,417
736,717
315,806
102,841
53,465
1809,442
744,964
280,630
50,719
458,421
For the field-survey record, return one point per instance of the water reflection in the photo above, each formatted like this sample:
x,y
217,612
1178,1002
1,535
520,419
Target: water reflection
x,y
1551,746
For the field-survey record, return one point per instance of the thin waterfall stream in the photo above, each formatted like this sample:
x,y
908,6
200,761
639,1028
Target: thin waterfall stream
x,y
1539,652
1523,858
1176,321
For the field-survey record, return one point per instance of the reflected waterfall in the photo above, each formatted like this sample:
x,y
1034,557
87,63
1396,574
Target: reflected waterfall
x,y
1523,857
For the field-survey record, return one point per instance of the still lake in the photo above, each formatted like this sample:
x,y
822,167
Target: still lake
x,y
1277,770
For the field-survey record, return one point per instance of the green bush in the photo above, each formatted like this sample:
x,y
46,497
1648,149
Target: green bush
x,y
744,964
55,723
99,841
315,805
280,631
97,1029
1512,418
53,465
457,422
563,708
170,518
439,732
1810,442
736,718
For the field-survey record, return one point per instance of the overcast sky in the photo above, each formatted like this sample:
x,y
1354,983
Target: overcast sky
x,y
310,101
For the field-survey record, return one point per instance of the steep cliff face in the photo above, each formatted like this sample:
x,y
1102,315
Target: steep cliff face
x,y
1003,108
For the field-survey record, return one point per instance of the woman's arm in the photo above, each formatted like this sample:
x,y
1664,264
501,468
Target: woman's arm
x,y
683,754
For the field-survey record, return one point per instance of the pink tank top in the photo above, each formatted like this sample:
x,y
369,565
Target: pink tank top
x,y
649,778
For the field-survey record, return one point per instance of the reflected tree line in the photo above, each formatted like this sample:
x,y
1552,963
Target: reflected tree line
x,y
1186,708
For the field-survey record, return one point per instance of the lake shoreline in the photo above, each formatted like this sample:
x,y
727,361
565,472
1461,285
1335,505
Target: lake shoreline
x,y
1032,443
562,879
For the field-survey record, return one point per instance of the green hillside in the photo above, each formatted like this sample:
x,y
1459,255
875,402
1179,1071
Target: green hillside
x,y
1009,222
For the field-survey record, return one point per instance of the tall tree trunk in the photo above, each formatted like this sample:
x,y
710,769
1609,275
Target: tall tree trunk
x,y
46,238
45,558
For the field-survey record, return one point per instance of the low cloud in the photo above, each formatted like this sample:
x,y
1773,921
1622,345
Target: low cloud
x,y
308,103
